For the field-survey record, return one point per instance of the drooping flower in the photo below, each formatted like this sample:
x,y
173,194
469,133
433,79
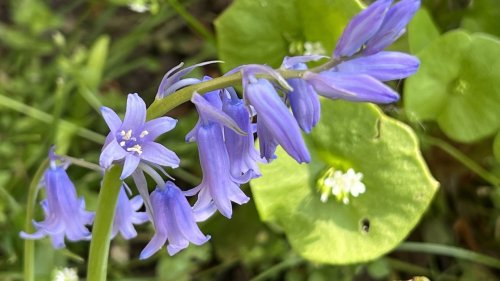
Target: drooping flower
x,y
133,139
384,66
304,100
242,154
172,81
218,187
393,26
352,87
361,28
65,214
273,116
126,215
174,221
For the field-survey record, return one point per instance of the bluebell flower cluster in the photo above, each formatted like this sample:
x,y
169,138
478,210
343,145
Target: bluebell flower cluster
x,y
274,109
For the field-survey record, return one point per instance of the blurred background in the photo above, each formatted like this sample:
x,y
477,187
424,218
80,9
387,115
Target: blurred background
x,y
61,60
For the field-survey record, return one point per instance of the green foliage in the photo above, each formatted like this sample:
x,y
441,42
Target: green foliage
x,y
457,85
482,16
266,31
421,31
398,187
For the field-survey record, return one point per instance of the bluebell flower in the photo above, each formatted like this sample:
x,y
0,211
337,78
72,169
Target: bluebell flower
x,y
393,26
173,220
273,117
383,66
241,149
303,99
172,81
127,215
352,87
65,213
218,187
361,28
133,139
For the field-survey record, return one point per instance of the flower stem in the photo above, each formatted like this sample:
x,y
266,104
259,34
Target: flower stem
x,y
462,158
192,21
161,106
29,245
277,268
106,205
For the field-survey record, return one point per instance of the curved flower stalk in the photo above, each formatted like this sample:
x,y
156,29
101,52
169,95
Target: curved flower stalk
x,y
132,140
127,215
174,221
65,214
218,187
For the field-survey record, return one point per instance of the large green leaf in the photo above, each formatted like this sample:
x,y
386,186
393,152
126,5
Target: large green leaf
x,y
482,16
421,31
398,187
458,85
265,31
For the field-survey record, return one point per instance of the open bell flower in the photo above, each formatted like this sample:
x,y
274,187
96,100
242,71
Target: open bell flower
x,y
173,220
132,140
65,214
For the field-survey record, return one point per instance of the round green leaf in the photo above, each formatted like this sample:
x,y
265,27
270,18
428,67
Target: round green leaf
x,y
264,32
399,187
457,85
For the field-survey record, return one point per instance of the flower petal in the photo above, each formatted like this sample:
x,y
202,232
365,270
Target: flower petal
x,y
112,152
361,28
135,115
130,165
111,118
384,66
158,126
353,87
158,154
153,246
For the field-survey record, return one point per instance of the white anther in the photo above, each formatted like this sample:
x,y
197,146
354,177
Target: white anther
x,y
122,143
136,148
126,135
144,133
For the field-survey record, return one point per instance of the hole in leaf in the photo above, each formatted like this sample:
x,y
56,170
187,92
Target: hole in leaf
x,y
365,225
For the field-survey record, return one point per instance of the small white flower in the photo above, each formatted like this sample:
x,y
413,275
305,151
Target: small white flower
x,y
65,274
342,185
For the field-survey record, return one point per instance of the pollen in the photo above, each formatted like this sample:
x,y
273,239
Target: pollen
x,y
143,134
122,143
136,148
126,135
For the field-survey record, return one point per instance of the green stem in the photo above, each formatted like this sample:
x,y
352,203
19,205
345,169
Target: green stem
x,y
82,163
270,272
450,251
47,118
462,158
101,232
192,21
29,245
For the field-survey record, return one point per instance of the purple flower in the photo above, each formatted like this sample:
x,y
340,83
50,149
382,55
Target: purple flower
x,y
126,215
65,213
173,220
218,187
242,155
172,81
273,116
384,66
133,139
393,26
352,87
304,101
361,28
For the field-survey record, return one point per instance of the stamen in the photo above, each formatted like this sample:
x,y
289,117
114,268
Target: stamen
x,y
144,133
122,143
126,135
136,148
